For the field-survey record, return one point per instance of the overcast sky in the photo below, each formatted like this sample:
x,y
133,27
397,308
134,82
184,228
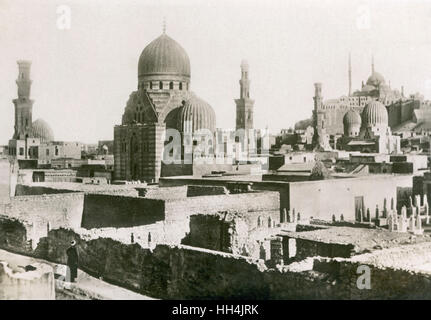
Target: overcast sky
x,y
82,76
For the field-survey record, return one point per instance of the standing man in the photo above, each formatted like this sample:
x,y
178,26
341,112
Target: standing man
x,y
72,262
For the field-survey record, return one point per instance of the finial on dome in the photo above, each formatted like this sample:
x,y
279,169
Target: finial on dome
x,y
164,25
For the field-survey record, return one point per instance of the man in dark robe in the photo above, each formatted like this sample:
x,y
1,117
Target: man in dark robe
x,y
72,262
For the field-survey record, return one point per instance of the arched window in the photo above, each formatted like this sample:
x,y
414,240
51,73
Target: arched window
x,y
181,86
161,85
171,85
151,85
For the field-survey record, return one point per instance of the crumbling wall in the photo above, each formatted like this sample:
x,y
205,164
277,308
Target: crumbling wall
x,y
183,272
226,232
13,235
101,211
308,248
210,232
264,202
229,232
385,283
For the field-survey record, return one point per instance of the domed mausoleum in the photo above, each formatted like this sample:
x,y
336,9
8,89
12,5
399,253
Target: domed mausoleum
x,y
163,100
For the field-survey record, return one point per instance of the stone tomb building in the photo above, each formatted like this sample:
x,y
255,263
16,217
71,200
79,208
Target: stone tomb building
x,y
163,100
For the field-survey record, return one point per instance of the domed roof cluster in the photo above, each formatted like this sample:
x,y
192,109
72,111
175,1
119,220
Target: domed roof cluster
x,y
164,56
196,114
351,118
374,113
41,129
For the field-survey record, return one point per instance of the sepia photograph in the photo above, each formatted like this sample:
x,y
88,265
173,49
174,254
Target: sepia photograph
x,y
193,151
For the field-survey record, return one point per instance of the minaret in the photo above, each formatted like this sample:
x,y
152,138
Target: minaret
x,y
350,75
320,138
372,64
23,104
244,105
317,121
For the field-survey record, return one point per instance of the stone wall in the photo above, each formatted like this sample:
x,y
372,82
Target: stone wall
x,y
119,211
305,248
385,283
267,203
226,232
183,272
60,210
337,196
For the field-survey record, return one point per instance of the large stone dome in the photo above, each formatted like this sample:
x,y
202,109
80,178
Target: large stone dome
x,y
196,114
41,129
164,56
374,113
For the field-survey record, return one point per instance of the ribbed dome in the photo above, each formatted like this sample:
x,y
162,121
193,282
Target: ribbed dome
x,y
199,113
164,56
41,129
351,118
374,113
376,79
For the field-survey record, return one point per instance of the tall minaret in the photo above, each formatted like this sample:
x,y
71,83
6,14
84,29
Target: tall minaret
x,y
372,64
320,138
350,75
23,104
244,105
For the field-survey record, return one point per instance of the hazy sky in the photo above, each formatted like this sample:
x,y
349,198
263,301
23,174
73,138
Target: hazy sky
x,y
82,76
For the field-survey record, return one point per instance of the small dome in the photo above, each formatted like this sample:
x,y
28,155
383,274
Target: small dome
x,y
376,79
199,113
41,129
374,113
164,56
351,118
